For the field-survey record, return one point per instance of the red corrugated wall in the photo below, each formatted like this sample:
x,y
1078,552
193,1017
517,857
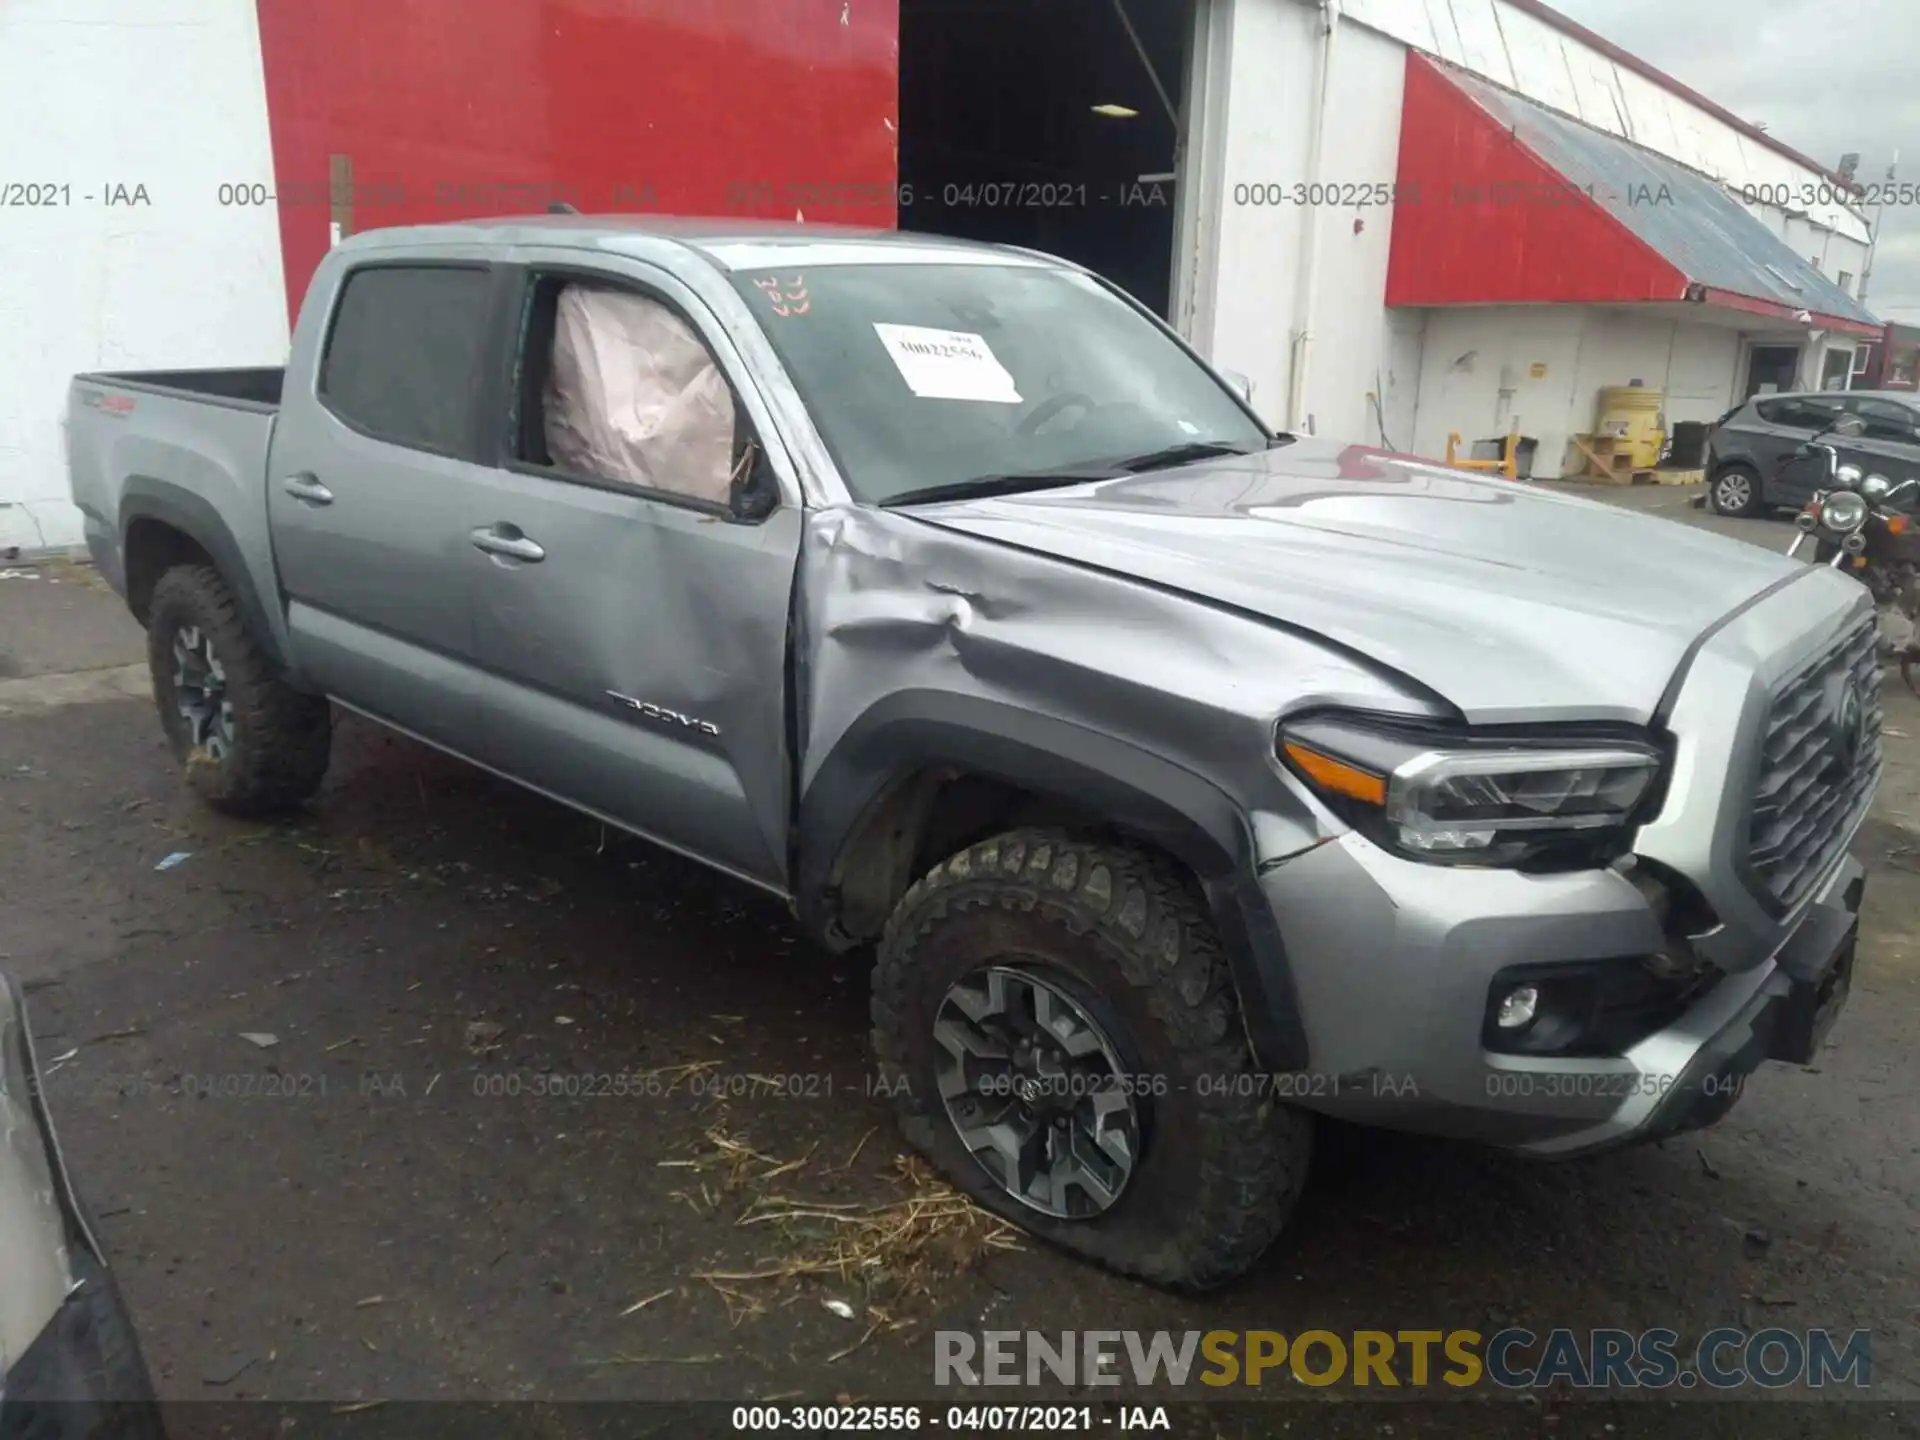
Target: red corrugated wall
x,y
453,108
1493,224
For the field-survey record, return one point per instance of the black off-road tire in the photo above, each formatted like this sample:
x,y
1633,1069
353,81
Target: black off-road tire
x,y
281,736
1221,1165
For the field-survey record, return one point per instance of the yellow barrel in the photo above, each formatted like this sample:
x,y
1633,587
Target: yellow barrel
x,y
1630,414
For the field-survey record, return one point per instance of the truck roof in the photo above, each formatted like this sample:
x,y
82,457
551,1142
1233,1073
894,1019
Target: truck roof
x,y
731,244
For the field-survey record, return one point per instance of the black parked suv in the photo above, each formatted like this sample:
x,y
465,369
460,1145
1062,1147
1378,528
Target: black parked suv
x,y
1749,469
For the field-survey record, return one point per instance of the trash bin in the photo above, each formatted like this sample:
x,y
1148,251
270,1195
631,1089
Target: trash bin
x,y
1689,448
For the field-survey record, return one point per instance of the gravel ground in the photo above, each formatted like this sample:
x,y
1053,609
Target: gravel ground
x,y
382,1206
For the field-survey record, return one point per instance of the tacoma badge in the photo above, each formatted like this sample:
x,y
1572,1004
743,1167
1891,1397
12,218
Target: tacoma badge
x,y
670,717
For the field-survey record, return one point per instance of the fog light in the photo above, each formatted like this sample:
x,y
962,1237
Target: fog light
x,y
1518,1007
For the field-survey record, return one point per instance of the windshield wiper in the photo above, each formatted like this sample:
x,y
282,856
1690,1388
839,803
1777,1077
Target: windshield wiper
x,y
1012,484
1192,450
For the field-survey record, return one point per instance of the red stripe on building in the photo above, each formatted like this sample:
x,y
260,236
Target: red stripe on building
x,y
1485,221
450,109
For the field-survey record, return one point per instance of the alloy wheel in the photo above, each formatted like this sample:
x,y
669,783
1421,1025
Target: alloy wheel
x,y
200,692
1733,491
1036,1091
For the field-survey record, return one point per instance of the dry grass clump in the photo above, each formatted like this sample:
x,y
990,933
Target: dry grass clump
x,y
882,1256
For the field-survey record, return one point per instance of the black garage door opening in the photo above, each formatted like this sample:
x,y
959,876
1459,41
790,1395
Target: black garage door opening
x,y
1048,124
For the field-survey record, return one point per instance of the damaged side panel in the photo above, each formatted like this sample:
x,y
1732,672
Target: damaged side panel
x,y
928,647
934,659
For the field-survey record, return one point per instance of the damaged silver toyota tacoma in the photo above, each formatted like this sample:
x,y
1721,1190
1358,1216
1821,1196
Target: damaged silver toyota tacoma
x,y
1189,780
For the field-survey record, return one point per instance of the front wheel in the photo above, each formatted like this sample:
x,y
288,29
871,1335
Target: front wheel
x,y
1735,491
251,744
1055,1022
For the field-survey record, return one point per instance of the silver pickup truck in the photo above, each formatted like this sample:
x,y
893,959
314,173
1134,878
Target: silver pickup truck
x,y
1188,779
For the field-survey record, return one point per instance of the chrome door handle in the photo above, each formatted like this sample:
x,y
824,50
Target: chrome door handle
x,y
515,547
306,488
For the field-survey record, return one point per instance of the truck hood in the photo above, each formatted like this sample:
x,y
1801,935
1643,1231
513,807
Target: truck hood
x,y
1509,601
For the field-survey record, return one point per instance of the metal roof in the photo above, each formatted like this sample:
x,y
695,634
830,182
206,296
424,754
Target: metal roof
x,y
1595,41
1690,220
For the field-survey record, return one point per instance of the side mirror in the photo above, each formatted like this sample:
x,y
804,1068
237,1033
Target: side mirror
x,y
755,493
1239,384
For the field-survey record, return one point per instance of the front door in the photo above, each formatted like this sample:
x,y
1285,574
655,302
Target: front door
x,y
1771,370
636,632
367,492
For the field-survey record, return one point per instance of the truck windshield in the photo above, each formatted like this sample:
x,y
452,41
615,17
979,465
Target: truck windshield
x,y
933,381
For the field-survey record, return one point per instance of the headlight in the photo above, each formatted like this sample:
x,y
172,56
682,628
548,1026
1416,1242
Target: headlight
x,y
1843,512
1846,477
1874,486
1466,800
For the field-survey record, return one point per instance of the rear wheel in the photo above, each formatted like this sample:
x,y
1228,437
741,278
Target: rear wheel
x,y
1735,490
1054,1020
251,743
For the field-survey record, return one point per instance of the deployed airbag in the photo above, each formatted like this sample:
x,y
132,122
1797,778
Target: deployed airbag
x,y
634,396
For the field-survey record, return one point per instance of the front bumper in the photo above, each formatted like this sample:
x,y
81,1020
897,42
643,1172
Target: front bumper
x,y
1392,963
1397,967
82,1376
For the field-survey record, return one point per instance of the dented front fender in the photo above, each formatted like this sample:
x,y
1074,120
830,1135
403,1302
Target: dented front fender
x,y
920,647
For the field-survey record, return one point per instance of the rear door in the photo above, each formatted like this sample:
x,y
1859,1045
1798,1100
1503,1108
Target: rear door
x,y
636,632
1890,442
369,490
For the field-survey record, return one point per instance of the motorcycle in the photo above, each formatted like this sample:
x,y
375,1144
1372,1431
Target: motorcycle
x,y
1855,524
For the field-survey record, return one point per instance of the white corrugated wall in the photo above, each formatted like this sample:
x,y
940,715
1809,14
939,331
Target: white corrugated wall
x,y
100,101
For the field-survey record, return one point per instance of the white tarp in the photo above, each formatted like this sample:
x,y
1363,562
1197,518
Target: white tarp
x,y
633,396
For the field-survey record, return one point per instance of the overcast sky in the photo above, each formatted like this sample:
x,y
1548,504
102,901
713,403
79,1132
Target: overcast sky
x,y
1824,78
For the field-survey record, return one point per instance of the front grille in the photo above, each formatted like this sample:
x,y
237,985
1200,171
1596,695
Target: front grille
x,y
1806,798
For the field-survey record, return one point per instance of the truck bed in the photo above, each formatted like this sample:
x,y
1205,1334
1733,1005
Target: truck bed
x,y
250,389
188,447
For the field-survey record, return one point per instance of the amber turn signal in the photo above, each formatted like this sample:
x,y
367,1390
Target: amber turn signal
x,y
1338,776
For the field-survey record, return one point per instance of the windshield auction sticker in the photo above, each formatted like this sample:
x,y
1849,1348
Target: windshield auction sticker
x,y
948,364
